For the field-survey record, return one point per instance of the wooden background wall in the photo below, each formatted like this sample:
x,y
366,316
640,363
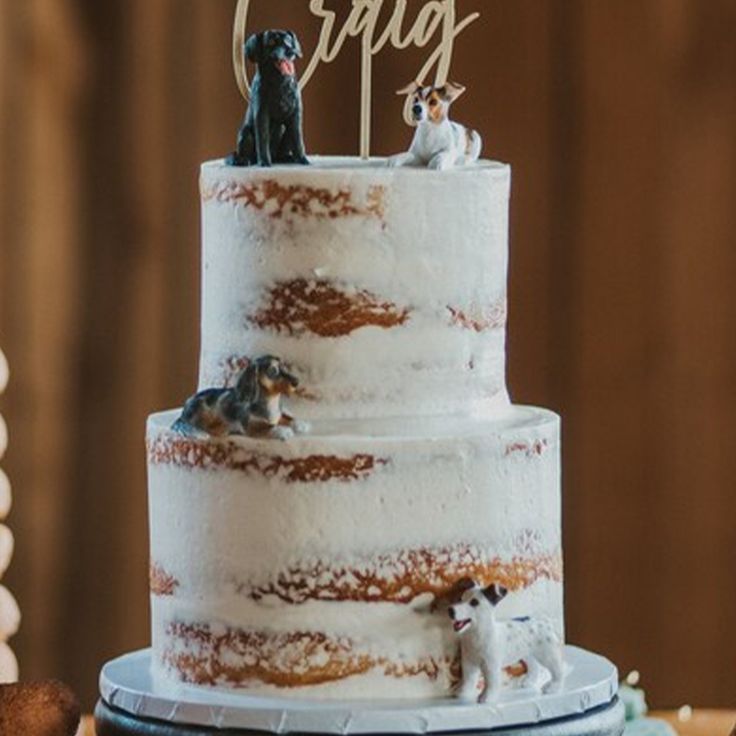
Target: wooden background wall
x,y
619,117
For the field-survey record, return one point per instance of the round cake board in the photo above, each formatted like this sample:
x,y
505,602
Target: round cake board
x,y
131,700
607,720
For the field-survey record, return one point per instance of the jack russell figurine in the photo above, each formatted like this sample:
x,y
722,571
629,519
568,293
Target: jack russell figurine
x,y
488,645
438,142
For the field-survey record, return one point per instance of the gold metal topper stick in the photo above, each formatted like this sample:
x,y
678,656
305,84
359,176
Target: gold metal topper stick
x,y
435,18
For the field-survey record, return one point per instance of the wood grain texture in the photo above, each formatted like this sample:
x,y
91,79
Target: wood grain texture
x,y
619,118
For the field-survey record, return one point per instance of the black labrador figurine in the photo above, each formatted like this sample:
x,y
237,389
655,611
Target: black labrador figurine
x,y
272,129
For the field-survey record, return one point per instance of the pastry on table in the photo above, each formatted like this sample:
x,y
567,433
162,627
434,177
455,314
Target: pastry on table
x,y
38,709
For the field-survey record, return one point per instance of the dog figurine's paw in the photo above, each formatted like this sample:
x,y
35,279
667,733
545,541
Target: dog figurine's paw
x,y
441,162
400,160
553,686
466,694
489,694
234,159
282,433
300,426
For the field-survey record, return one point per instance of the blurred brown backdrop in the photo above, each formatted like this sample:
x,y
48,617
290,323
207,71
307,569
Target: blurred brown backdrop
x,y
619,117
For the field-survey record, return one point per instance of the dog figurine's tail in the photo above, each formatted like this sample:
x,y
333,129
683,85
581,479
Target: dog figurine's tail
x,y
181,426
185,429
475,146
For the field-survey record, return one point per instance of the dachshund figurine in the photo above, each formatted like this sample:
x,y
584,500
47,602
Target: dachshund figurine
x,y
272,129
252,406
438,142
489,645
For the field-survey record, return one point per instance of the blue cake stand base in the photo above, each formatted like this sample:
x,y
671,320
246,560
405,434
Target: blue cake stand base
x,y
603,721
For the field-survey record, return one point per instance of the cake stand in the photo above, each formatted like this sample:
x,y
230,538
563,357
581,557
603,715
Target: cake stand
x,y
132,705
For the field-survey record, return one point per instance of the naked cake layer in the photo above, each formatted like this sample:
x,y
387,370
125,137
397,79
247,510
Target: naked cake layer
x,y
383,289
330,548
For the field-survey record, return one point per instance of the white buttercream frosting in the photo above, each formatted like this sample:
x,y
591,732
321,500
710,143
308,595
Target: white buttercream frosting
x,y
403,632
418,258
248,547
322,562
453,481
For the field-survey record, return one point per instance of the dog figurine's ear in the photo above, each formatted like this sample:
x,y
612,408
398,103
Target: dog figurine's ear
x,y
297,45
454,594
451,91
248,383
254,47
409,89
462,585
495,593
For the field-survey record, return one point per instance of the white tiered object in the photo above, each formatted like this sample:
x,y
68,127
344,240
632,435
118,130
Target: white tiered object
x,y
9,612
384,288
321,554
309,566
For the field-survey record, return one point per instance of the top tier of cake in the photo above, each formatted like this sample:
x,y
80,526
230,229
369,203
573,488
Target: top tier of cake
x,y
384,289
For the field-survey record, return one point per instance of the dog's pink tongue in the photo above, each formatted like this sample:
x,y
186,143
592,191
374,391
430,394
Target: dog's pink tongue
x,y
286,66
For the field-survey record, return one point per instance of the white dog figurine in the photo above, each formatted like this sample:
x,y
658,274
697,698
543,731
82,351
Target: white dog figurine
x,y
438,143
488,645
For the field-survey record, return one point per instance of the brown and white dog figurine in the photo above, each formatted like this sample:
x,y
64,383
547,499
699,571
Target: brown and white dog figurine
x,y
253,406
438,142
489,645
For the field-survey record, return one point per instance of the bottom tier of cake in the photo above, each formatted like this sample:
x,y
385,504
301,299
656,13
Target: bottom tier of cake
x,y
313,565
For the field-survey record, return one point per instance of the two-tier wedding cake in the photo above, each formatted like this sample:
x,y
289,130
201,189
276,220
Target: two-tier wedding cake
x,y
311,565
353,529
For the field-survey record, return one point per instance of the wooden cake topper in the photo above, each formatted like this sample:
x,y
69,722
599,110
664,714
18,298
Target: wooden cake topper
x,y
436,26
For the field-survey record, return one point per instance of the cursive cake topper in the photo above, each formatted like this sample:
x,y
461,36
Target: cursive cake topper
x,y
436,26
